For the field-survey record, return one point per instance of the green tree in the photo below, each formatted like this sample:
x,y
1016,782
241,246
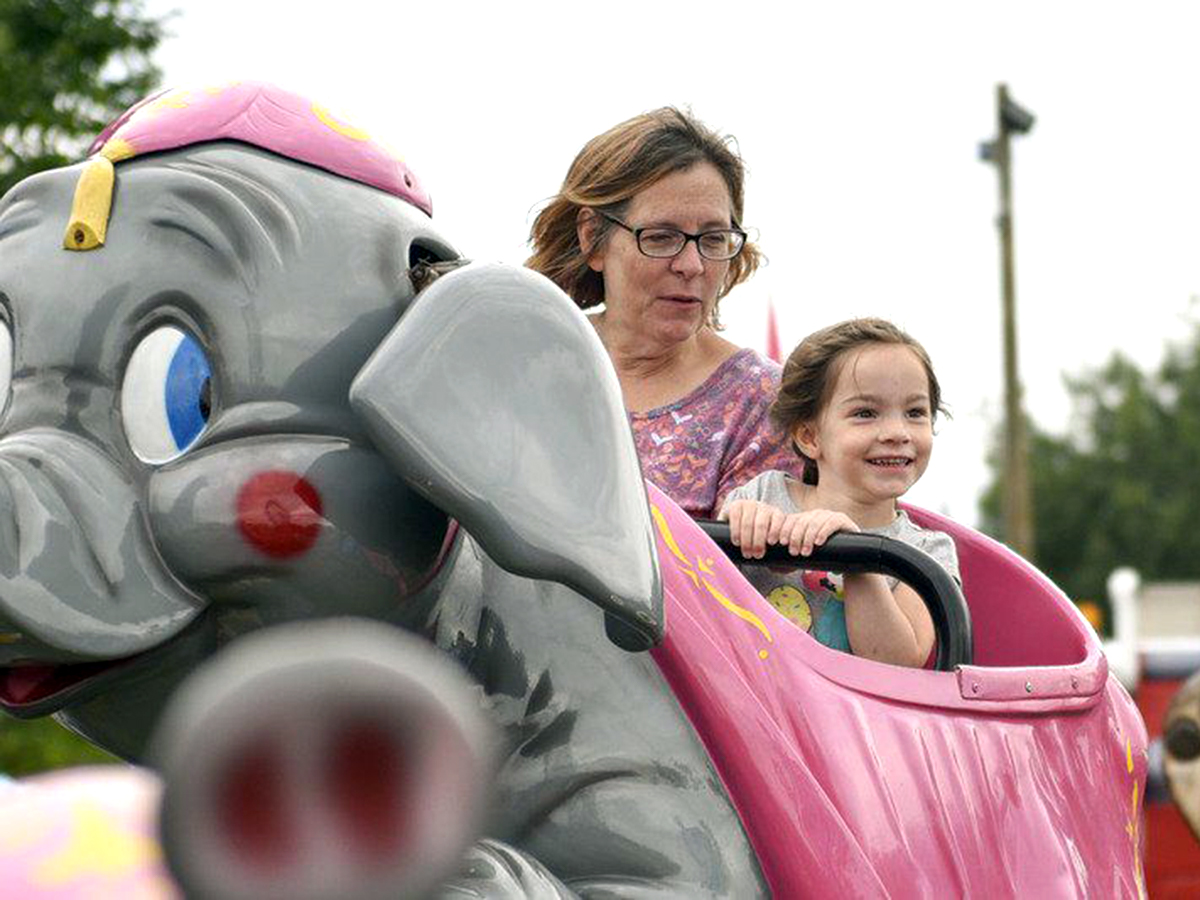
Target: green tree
x,y
1120,487
41,744
67,67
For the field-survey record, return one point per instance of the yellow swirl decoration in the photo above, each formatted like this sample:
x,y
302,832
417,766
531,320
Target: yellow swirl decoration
x,y
664,529
739,611
1131,827
176,99
355,134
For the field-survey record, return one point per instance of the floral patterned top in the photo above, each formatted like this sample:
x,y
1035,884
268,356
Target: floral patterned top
x,y
701,447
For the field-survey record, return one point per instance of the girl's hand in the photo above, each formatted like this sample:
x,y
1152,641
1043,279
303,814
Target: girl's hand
x,y
753,525
804,531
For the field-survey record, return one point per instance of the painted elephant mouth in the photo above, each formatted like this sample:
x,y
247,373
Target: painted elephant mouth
x,y
38,689
30,690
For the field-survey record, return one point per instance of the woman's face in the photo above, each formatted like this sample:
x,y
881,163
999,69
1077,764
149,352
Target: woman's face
x,y
666,300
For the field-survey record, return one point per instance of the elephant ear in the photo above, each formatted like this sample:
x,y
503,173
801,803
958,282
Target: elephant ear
x,y
494,398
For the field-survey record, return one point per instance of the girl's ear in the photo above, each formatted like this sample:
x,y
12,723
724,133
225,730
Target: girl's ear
x,y
805,436
585,227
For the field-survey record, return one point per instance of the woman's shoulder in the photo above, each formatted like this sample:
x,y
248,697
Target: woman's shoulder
x,y
749,360
741,378
746,376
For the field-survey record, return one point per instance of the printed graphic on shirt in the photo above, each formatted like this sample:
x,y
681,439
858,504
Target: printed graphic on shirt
x,y
793,605
809,599
816,580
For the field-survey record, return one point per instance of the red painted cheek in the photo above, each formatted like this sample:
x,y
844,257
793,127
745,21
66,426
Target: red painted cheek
x,y
279,513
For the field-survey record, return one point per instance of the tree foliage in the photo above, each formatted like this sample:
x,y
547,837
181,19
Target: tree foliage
x,y
41,744
67,67
1121,487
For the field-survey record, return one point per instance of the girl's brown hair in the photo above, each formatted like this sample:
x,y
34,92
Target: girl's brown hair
x,y
608,172
812,369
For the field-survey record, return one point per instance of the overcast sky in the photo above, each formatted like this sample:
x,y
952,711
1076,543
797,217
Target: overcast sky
x,y
860,123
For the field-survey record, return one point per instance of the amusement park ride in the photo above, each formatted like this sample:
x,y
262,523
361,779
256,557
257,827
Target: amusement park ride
x,y
367,581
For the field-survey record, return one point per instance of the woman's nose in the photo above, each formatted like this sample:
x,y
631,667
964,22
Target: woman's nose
x,y
688,261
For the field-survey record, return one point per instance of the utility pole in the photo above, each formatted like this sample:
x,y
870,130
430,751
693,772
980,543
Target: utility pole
x,y
1011,119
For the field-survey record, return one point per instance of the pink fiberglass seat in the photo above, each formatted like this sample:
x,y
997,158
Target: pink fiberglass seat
x,y
1021,774
1020,617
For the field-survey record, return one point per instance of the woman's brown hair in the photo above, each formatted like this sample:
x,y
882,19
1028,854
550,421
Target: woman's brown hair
x,y
812,369
606,175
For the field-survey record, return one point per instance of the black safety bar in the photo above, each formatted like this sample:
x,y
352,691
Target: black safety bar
x,y
849,552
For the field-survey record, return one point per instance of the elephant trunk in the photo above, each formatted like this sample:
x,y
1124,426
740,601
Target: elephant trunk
x,y
79,573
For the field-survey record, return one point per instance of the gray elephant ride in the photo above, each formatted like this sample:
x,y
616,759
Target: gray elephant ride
x,y
361,571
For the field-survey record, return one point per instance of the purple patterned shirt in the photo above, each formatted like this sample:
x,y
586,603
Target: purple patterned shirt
x,y
718,437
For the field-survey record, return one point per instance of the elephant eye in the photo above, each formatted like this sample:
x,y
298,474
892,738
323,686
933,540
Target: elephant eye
x,y
166,398
6,363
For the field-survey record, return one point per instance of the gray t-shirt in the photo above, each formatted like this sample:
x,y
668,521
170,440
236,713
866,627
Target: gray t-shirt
x,y
811,599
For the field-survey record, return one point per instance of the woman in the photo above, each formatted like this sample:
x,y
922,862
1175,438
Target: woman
x,y
647,224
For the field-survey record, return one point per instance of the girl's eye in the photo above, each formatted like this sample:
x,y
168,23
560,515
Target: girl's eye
x,y
918,412
166,399
863,413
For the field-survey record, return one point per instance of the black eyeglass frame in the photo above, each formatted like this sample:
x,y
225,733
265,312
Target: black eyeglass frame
x,y
637,237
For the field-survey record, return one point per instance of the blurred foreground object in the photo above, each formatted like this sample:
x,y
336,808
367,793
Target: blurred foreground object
x,y
340,759
1181,756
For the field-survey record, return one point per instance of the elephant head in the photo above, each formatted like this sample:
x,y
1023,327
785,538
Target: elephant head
x,y
179,459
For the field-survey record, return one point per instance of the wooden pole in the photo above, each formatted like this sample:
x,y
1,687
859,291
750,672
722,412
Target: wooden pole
x,y
1018,512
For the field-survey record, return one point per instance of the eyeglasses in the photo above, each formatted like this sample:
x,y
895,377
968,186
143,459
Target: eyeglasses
x,y
662,243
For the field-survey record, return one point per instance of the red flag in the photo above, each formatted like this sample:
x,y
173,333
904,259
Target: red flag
x,y
772,333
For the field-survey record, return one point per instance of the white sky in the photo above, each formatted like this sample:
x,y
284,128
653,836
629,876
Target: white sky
x,y
860,123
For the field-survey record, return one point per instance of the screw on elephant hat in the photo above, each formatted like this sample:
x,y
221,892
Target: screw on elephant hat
x,y
259,114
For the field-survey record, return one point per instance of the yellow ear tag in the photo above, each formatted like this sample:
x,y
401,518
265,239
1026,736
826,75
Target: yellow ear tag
x,y
92,204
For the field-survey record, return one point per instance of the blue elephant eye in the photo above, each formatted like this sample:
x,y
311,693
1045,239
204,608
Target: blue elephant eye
x,y
166,398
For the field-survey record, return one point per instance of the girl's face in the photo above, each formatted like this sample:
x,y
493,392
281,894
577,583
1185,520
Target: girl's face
x,y
872,440
667,300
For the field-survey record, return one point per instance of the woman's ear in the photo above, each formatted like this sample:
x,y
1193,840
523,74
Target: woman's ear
x,y
586,222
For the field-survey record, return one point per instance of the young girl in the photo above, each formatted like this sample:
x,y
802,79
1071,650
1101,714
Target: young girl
x,y
858,400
